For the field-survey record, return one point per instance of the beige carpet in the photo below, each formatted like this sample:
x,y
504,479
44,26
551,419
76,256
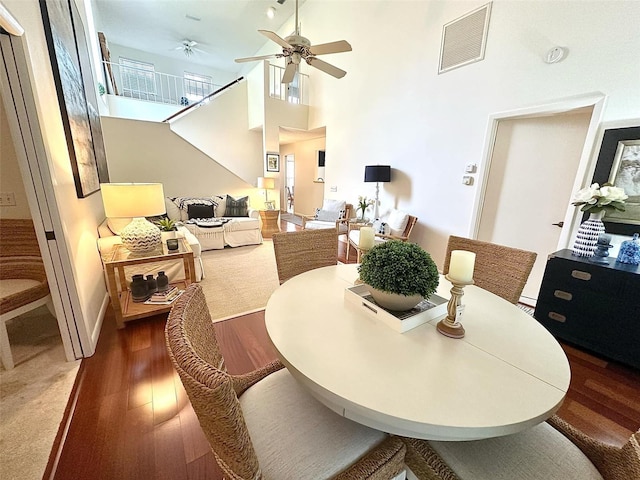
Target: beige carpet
x,y
239,280
33,395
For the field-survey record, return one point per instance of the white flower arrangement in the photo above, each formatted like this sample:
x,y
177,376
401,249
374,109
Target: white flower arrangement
x,y
596,198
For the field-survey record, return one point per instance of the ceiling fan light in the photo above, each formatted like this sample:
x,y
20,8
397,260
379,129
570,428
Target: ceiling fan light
x,y
271,12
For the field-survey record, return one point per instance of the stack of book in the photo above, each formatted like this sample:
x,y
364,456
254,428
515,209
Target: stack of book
x,y
164,298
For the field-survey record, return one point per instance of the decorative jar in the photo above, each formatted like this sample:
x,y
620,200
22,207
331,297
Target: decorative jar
x,y
630,251
162,281
139,288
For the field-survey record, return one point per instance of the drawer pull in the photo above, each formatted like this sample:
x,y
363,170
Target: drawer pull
x,y
561,294
557,317
580,275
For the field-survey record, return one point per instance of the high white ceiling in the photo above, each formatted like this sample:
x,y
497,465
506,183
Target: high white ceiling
x,y
227,29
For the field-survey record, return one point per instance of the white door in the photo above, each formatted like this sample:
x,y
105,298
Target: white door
x,y
531,174
290,179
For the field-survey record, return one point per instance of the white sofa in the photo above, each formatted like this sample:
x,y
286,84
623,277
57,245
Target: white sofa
x,y
241,225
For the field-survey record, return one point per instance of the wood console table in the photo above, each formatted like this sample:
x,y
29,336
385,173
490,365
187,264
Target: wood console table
x,y
119,257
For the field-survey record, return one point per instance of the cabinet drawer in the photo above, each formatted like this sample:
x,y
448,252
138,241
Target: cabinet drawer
x,y
572,275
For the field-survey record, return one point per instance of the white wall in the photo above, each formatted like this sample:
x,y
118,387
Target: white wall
x,y
150,152
125,107
79,217
393,108
10,177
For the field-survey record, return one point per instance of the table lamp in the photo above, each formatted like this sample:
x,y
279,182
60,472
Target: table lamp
x,y
377,173
136,201
266,183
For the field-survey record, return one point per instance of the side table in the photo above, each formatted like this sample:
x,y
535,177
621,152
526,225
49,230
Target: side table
x,y
119,257
270,222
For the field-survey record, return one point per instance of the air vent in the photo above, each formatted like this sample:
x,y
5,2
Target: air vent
x,y
464,39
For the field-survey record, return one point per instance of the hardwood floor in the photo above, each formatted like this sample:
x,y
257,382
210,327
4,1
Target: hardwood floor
x,y
132,418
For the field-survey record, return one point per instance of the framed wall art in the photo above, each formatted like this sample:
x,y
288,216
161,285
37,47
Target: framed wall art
x,y
273,162
619,164
75,85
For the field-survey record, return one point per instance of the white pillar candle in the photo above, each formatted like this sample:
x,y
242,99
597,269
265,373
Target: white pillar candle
x,y
366,238
461,266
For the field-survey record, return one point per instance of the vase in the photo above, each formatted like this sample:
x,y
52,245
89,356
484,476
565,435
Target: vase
x,y
152,285
162,281
139,288
587,238
395,301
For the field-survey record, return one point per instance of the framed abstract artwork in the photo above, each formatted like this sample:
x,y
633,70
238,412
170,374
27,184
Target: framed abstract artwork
x,y
73,77
619,164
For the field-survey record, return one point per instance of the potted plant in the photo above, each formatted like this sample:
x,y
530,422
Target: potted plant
x,y
399,274
166,225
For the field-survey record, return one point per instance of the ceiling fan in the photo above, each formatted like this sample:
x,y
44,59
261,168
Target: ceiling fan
x,y
296,48
189,47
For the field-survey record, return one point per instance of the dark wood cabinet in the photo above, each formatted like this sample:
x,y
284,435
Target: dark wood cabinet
x,y
595,306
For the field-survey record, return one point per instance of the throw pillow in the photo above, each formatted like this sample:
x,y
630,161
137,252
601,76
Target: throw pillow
x,y
327,216
184,202
397,222
237,207
335,205
197,210
173,212
221,200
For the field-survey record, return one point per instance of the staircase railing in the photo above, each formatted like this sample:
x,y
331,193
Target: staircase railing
x,y
152,86
203,100
294,92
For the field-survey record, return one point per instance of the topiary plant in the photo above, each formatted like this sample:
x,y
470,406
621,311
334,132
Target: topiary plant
x,y
400,267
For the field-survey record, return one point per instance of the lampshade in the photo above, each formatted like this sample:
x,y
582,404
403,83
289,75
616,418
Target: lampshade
x,y
137,200
377,173
266,182
132,199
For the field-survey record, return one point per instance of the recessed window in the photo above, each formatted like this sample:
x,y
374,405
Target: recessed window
x,y
138,79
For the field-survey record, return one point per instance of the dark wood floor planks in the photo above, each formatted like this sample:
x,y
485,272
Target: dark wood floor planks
x,y
133,420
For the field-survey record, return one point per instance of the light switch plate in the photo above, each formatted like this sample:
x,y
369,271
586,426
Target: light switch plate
x,y
467,180
334,188
470,168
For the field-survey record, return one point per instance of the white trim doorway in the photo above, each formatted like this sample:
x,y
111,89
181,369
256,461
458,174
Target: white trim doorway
x,y
591,103
17,94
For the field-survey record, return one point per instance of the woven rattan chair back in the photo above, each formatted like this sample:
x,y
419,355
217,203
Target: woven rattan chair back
x,y
499,269
410,224
298,252
194,352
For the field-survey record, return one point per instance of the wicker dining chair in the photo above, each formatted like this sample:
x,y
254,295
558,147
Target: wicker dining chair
x,y
298,252
553,450
499,269
263,425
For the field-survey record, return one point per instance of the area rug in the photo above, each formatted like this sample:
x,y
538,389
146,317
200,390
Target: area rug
x,y
33,395
239,280
291,218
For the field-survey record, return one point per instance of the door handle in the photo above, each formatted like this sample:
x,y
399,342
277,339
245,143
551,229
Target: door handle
x,y
559,224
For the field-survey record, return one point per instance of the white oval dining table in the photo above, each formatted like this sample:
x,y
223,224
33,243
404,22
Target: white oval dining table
x,y
507,374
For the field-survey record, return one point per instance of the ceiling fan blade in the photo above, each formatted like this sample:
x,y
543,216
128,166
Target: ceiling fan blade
x,y
331,47
261,57
325,67
276,38
289,73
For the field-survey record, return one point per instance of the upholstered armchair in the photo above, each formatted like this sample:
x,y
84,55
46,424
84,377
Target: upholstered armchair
x,y
333,214
393,225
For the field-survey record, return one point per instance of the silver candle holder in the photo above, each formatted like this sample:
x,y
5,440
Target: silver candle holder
x,y
450,325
